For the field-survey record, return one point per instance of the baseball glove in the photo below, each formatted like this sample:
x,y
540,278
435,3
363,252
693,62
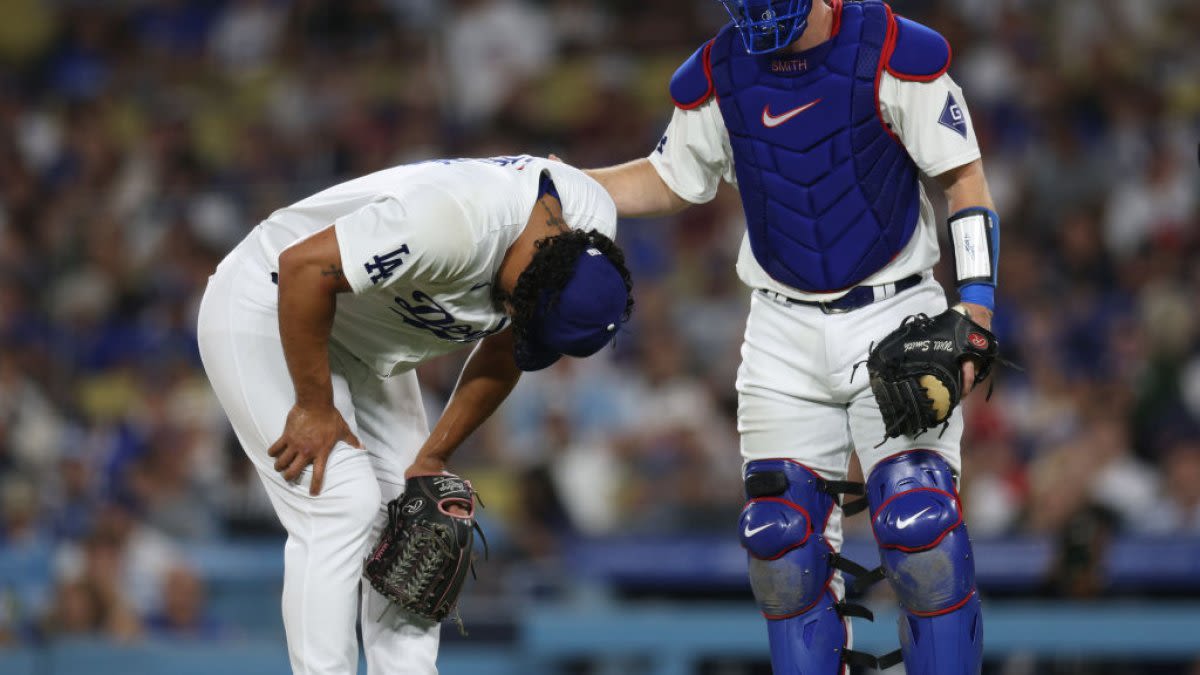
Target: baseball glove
x,y
916,371
423,555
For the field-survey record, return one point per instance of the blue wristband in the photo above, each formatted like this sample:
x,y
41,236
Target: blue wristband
x,y
979,294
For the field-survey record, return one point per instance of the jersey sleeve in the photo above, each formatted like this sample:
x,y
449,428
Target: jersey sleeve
x,y
931,120
694,154
421,237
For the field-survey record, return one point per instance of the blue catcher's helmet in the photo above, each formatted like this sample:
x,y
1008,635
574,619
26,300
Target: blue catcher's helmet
x,y
768,25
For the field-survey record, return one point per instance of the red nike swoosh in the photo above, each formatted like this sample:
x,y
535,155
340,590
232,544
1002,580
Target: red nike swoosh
x,y
770,121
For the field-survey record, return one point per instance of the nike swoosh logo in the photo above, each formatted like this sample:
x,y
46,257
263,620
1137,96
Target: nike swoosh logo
x,y
750,533
905,522
480,285
771,121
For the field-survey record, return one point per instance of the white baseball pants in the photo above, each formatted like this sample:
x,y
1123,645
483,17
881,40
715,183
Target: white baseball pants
x,y
800,398
328,535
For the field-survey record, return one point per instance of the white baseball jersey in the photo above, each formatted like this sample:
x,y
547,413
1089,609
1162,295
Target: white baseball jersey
x,y
930,118
420,248
421,245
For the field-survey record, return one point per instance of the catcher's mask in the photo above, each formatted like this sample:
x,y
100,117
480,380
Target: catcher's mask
x,y
768,25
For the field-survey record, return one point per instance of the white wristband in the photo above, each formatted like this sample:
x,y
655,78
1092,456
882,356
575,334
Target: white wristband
x,y
971,235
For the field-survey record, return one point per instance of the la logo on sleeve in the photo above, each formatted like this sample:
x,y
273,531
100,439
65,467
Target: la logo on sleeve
x,y
385,264
952,116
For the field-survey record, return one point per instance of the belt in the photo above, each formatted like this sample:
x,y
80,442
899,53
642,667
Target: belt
x,y
855,298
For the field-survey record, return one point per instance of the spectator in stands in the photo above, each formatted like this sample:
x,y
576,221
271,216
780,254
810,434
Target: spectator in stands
x,y
139,140
132,557
27,580
184,613
1178,508
94,603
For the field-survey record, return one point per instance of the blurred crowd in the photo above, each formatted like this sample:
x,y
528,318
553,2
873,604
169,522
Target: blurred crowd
x,y
141,139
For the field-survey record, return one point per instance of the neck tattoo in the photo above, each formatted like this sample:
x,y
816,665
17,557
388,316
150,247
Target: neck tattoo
x,y
553,220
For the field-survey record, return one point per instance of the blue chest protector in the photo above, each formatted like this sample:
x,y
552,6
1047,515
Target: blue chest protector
x,y
830,194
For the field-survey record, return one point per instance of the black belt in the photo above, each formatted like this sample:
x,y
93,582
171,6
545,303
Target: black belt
x,y
859,296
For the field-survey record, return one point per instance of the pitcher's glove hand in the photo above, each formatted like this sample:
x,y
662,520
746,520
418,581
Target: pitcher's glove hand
x,y
423,555
916,371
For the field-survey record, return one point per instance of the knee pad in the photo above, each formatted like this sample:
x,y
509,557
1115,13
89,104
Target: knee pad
x,y
782,528
918,523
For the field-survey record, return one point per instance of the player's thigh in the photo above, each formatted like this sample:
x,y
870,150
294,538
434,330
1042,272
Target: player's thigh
x,y
866,425
784,351
784,405
391,419
853,334
243,359
773,426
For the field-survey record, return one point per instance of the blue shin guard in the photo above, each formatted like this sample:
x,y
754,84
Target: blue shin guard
x,y
926,554
792,566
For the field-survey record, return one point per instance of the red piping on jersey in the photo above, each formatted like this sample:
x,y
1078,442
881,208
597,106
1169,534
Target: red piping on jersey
x,y
916,549
836,6
921,78
938,612
885,55
795,507
706,59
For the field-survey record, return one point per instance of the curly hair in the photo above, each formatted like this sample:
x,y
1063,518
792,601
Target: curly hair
x,y
552,265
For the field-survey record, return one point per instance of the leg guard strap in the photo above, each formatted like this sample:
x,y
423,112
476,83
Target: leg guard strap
x,y
863,577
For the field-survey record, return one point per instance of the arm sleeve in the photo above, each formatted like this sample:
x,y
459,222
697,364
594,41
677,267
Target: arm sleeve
x,y
694,154
932,121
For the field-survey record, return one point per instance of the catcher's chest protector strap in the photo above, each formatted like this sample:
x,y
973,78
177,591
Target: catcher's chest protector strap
x,y
918,523
791,565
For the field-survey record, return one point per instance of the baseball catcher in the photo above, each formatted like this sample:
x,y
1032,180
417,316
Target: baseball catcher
x,y
423,555
916,370
826,115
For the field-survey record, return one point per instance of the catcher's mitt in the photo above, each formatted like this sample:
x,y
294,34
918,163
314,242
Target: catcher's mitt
x,y
916,371
423,555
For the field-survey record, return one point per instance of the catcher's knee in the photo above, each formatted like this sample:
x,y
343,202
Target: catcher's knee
x,y
792,566
782,528
918,523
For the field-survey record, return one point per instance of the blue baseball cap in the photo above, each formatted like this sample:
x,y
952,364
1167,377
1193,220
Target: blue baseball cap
x,y
584,318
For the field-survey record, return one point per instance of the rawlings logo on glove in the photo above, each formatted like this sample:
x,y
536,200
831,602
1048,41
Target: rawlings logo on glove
x,y
422,557
916,371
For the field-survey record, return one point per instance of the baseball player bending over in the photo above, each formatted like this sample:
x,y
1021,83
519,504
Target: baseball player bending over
x,y
311,328
825,114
